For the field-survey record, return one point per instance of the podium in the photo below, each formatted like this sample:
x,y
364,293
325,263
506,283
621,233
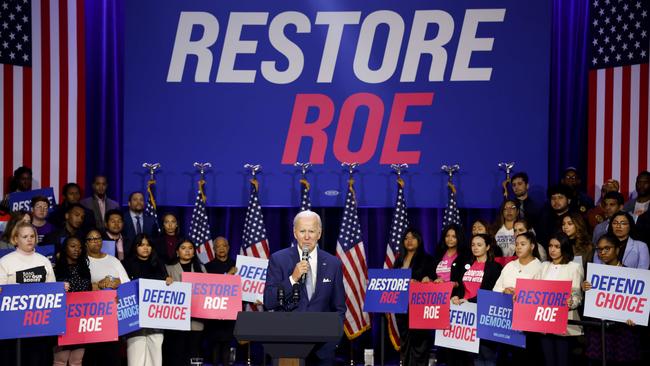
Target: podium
x,y
288,337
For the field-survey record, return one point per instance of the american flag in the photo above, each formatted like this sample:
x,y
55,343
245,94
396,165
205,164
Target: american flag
x,y
254,242
200,228
150,208
618,93
451,215
397,228
305,200
352,253
43,103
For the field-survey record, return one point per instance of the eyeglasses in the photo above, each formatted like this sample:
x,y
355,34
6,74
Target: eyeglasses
x,y
97,238
620,223
510,208
604,249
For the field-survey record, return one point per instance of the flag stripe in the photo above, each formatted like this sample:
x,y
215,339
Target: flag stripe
x,y
81,93
609,116
643,119
625,130
37,82
591,130
55,89
8,117
17,139
63,93
633,152
46,115
27,116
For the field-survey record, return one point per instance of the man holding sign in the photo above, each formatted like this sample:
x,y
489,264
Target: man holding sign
x,y
313,272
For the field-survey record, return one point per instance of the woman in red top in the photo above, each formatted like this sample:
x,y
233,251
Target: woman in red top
x,y
479,272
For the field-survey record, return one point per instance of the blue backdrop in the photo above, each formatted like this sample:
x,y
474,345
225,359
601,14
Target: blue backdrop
x,y
200,87
566,144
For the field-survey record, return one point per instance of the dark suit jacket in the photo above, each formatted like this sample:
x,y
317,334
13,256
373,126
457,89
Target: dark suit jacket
x,y
329,294
91,204
128,233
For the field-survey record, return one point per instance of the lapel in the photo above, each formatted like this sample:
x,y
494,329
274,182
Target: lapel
x,y
628,249
320,273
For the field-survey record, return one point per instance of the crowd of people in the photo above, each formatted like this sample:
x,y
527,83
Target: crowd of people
x,y
553,240
529,239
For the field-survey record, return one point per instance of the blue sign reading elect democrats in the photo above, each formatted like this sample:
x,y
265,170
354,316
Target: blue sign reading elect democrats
x,y
495,319
128,314
32,310
375,82
388,291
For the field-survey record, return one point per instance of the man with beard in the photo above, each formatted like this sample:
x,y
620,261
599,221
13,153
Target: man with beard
x,y
529,209
99,203
559,203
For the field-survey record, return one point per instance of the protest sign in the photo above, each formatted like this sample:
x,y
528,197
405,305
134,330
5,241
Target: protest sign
x,y
214,296
252,271
541,306
461,334
387,291
495,319
429,305
91,317
617,293
32,310
163,306
23,200
128,315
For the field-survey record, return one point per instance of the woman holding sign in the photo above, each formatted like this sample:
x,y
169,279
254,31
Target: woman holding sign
x,y
72,268
416,343
144,347
106,273
622,340
179,347
24,265
562,268
480,272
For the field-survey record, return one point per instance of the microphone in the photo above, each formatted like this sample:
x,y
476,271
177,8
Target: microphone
x,y
305,256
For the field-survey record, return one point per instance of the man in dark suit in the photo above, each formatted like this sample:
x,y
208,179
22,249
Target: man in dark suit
x,y
99,203
320,290
135,221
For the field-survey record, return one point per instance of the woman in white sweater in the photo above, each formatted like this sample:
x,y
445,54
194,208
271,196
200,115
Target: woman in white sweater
x,y
24,265
562,268
526,266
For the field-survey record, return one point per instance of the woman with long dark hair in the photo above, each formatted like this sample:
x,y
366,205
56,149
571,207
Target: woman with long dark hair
x,y
179,347
450,252
574,226
144,347
72,268
561,267
478,272
416,343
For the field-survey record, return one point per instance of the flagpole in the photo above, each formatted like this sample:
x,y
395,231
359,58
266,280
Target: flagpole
x,y
507,167
152,167
350,167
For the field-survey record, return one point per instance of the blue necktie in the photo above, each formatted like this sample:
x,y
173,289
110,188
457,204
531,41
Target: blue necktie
x,y
138,225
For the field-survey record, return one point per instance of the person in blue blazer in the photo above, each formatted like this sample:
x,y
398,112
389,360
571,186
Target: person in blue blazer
x,y
134,214
322,289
